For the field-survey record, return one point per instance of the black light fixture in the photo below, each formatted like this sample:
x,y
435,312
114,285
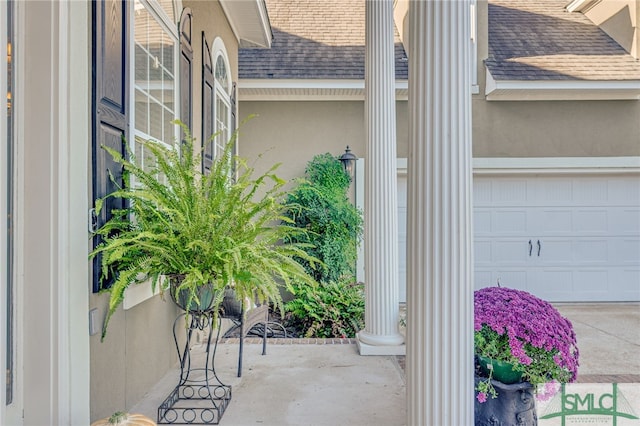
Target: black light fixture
x,y
348,160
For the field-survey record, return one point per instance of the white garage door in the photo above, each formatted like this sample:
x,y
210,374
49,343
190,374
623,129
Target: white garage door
x,y
561,238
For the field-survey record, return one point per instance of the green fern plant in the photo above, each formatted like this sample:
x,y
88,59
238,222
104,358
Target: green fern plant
x,y
331,309
225,228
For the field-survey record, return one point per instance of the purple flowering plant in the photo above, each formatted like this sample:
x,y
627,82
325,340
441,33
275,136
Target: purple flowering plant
x,y
519,328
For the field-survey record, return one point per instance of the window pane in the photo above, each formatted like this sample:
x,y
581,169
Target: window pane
x,y
221,74
169,127
155,121
154,72
142,111
168,89
168,53
222,125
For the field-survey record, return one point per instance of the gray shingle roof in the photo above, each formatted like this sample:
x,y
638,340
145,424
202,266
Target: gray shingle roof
x,y
314,40
540,40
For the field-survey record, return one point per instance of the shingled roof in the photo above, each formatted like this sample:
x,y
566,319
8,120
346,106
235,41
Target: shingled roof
x,y
314,40
532,40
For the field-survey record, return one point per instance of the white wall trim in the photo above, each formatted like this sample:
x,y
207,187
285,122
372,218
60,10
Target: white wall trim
x,y
4,180
558,90
73,370
549,165
575,165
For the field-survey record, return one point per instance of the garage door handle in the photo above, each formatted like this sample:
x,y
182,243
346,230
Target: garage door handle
x,y
530,248
539,247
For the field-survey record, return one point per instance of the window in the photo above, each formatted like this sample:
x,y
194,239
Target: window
x,y
155,65
223,95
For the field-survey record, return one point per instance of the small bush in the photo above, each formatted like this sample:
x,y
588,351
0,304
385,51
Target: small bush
x,y
333,309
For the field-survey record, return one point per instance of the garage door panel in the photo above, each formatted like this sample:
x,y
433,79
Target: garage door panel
x,y
509,252
483,278
626,251
481,193
552,284
512,222
508,192
482,222
591,221
549,192
589,191
627,283
552,251
624,221
512,278
482,252
546,221
592,281
624,191
591,251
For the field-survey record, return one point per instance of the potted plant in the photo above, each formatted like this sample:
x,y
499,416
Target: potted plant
x,y
527,339
196,234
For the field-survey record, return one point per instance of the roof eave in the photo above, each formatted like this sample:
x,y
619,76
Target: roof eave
x,y
249,21
308,89
561,90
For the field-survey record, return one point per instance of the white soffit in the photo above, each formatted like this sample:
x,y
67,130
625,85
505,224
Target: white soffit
x,y
250,22
560,90
308,90
581,5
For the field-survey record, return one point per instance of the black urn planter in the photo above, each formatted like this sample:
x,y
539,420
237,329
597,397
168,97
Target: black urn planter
x,y
206,294
514,406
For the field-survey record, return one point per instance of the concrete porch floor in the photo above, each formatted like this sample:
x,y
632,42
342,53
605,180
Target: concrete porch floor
x,y
324,383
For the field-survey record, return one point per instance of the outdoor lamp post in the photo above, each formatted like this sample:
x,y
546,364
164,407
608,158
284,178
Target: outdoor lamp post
x,y
348,160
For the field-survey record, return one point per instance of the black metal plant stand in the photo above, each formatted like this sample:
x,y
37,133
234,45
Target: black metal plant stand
x,y
200,397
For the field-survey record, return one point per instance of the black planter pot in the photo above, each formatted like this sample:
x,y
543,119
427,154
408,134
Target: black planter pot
x,y
514,406
231,307
206,297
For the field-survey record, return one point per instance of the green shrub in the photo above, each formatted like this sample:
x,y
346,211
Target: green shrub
x,y
321,206
333,309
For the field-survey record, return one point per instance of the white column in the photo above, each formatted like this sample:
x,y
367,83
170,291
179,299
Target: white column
x,y
380,336
439,237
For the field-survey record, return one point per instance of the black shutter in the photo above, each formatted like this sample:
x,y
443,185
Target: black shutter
x,y
234,120
110,94
208,117
186,79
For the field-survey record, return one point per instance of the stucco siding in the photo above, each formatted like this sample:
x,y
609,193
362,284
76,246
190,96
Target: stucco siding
x,y
293,132
556,129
